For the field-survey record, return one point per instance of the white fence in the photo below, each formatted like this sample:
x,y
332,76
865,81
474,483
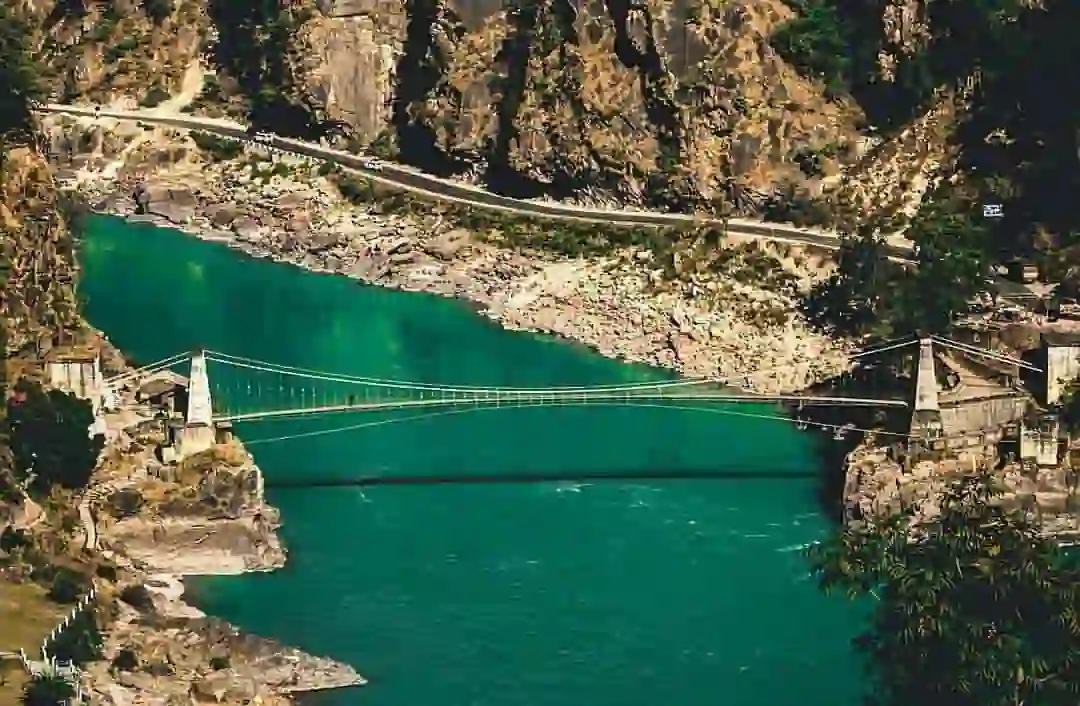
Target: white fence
x,y
48,666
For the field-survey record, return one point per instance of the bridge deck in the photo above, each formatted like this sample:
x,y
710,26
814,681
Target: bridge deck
x,y
554,400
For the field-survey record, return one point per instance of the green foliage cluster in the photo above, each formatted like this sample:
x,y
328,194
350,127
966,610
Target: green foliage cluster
x,y
155,96
137,596
81,641
870,294
47,691
20,82
49,437
789,204
68,586
158,10
820,40
217,148
972,608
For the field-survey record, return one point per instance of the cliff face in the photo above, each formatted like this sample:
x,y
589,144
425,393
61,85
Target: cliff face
x,y
688,104
39,303
622,97
684,98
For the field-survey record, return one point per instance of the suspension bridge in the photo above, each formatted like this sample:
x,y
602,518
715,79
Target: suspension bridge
x,y
249,390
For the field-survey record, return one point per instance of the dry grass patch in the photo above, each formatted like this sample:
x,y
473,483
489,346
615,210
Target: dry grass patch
x,y
26,617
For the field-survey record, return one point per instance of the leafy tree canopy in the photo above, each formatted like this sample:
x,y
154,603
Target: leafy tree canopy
x,y
973,608
81,641
47,691
869,293
50,437
20,81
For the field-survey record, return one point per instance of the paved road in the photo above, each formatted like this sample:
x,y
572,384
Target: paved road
x,y
443,189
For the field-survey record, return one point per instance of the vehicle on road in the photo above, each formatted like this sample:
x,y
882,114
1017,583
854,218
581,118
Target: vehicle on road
x,y
372,164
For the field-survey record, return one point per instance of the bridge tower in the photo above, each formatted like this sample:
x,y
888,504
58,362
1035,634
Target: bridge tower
x,y
926,424
197,434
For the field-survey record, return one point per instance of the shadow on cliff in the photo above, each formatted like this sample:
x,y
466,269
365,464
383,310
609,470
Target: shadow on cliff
x,y
533,27
420,67
641,55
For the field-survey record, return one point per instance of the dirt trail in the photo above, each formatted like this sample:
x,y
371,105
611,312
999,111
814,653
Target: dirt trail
x,y
190,87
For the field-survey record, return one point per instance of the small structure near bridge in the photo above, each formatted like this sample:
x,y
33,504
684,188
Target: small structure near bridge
x,y
76,369
1061,356
165,391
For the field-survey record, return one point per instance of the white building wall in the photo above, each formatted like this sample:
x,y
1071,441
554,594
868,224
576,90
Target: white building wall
x,y
1062,368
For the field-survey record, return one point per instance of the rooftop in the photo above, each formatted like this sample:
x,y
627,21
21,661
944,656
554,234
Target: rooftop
x,y
161,382
80,353
1060,338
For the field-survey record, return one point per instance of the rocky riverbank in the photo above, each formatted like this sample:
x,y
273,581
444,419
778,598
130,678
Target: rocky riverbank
x,y
159,522
735,320
878,484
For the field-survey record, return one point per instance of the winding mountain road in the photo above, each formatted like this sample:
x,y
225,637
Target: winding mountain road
x,y
436,188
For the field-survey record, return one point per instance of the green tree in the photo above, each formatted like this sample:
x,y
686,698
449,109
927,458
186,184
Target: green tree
x,y
50,437
20,77
973,608
158,10
81,641
853,299
47,691
950,236
68,586
818,41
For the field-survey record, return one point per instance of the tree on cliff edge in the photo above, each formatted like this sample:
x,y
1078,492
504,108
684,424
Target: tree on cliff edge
x,y
972,609
50,437
20,82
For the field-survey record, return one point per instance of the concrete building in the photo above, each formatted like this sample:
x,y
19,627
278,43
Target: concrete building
x,y
1061,360
166,390
76,369
964,397
1041,441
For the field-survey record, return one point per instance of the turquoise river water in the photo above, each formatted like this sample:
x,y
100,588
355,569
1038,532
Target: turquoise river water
x,y
680,592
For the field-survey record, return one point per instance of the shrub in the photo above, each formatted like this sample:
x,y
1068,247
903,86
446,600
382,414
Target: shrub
x,y
218,149
125,503
157,95
47,691
158,10
68,586
125,661
81,641
138,597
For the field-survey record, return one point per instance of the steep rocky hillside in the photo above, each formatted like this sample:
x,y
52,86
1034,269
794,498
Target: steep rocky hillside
x,y
684,101
791,108
39,305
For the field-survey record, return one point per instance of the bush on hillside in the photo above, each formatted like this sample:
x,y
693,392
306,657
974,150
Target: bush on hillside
x,y
50,437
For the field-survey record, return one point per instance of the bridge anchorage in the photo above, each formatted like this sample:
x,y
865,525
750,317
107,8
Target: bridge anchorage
x,y
249,390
